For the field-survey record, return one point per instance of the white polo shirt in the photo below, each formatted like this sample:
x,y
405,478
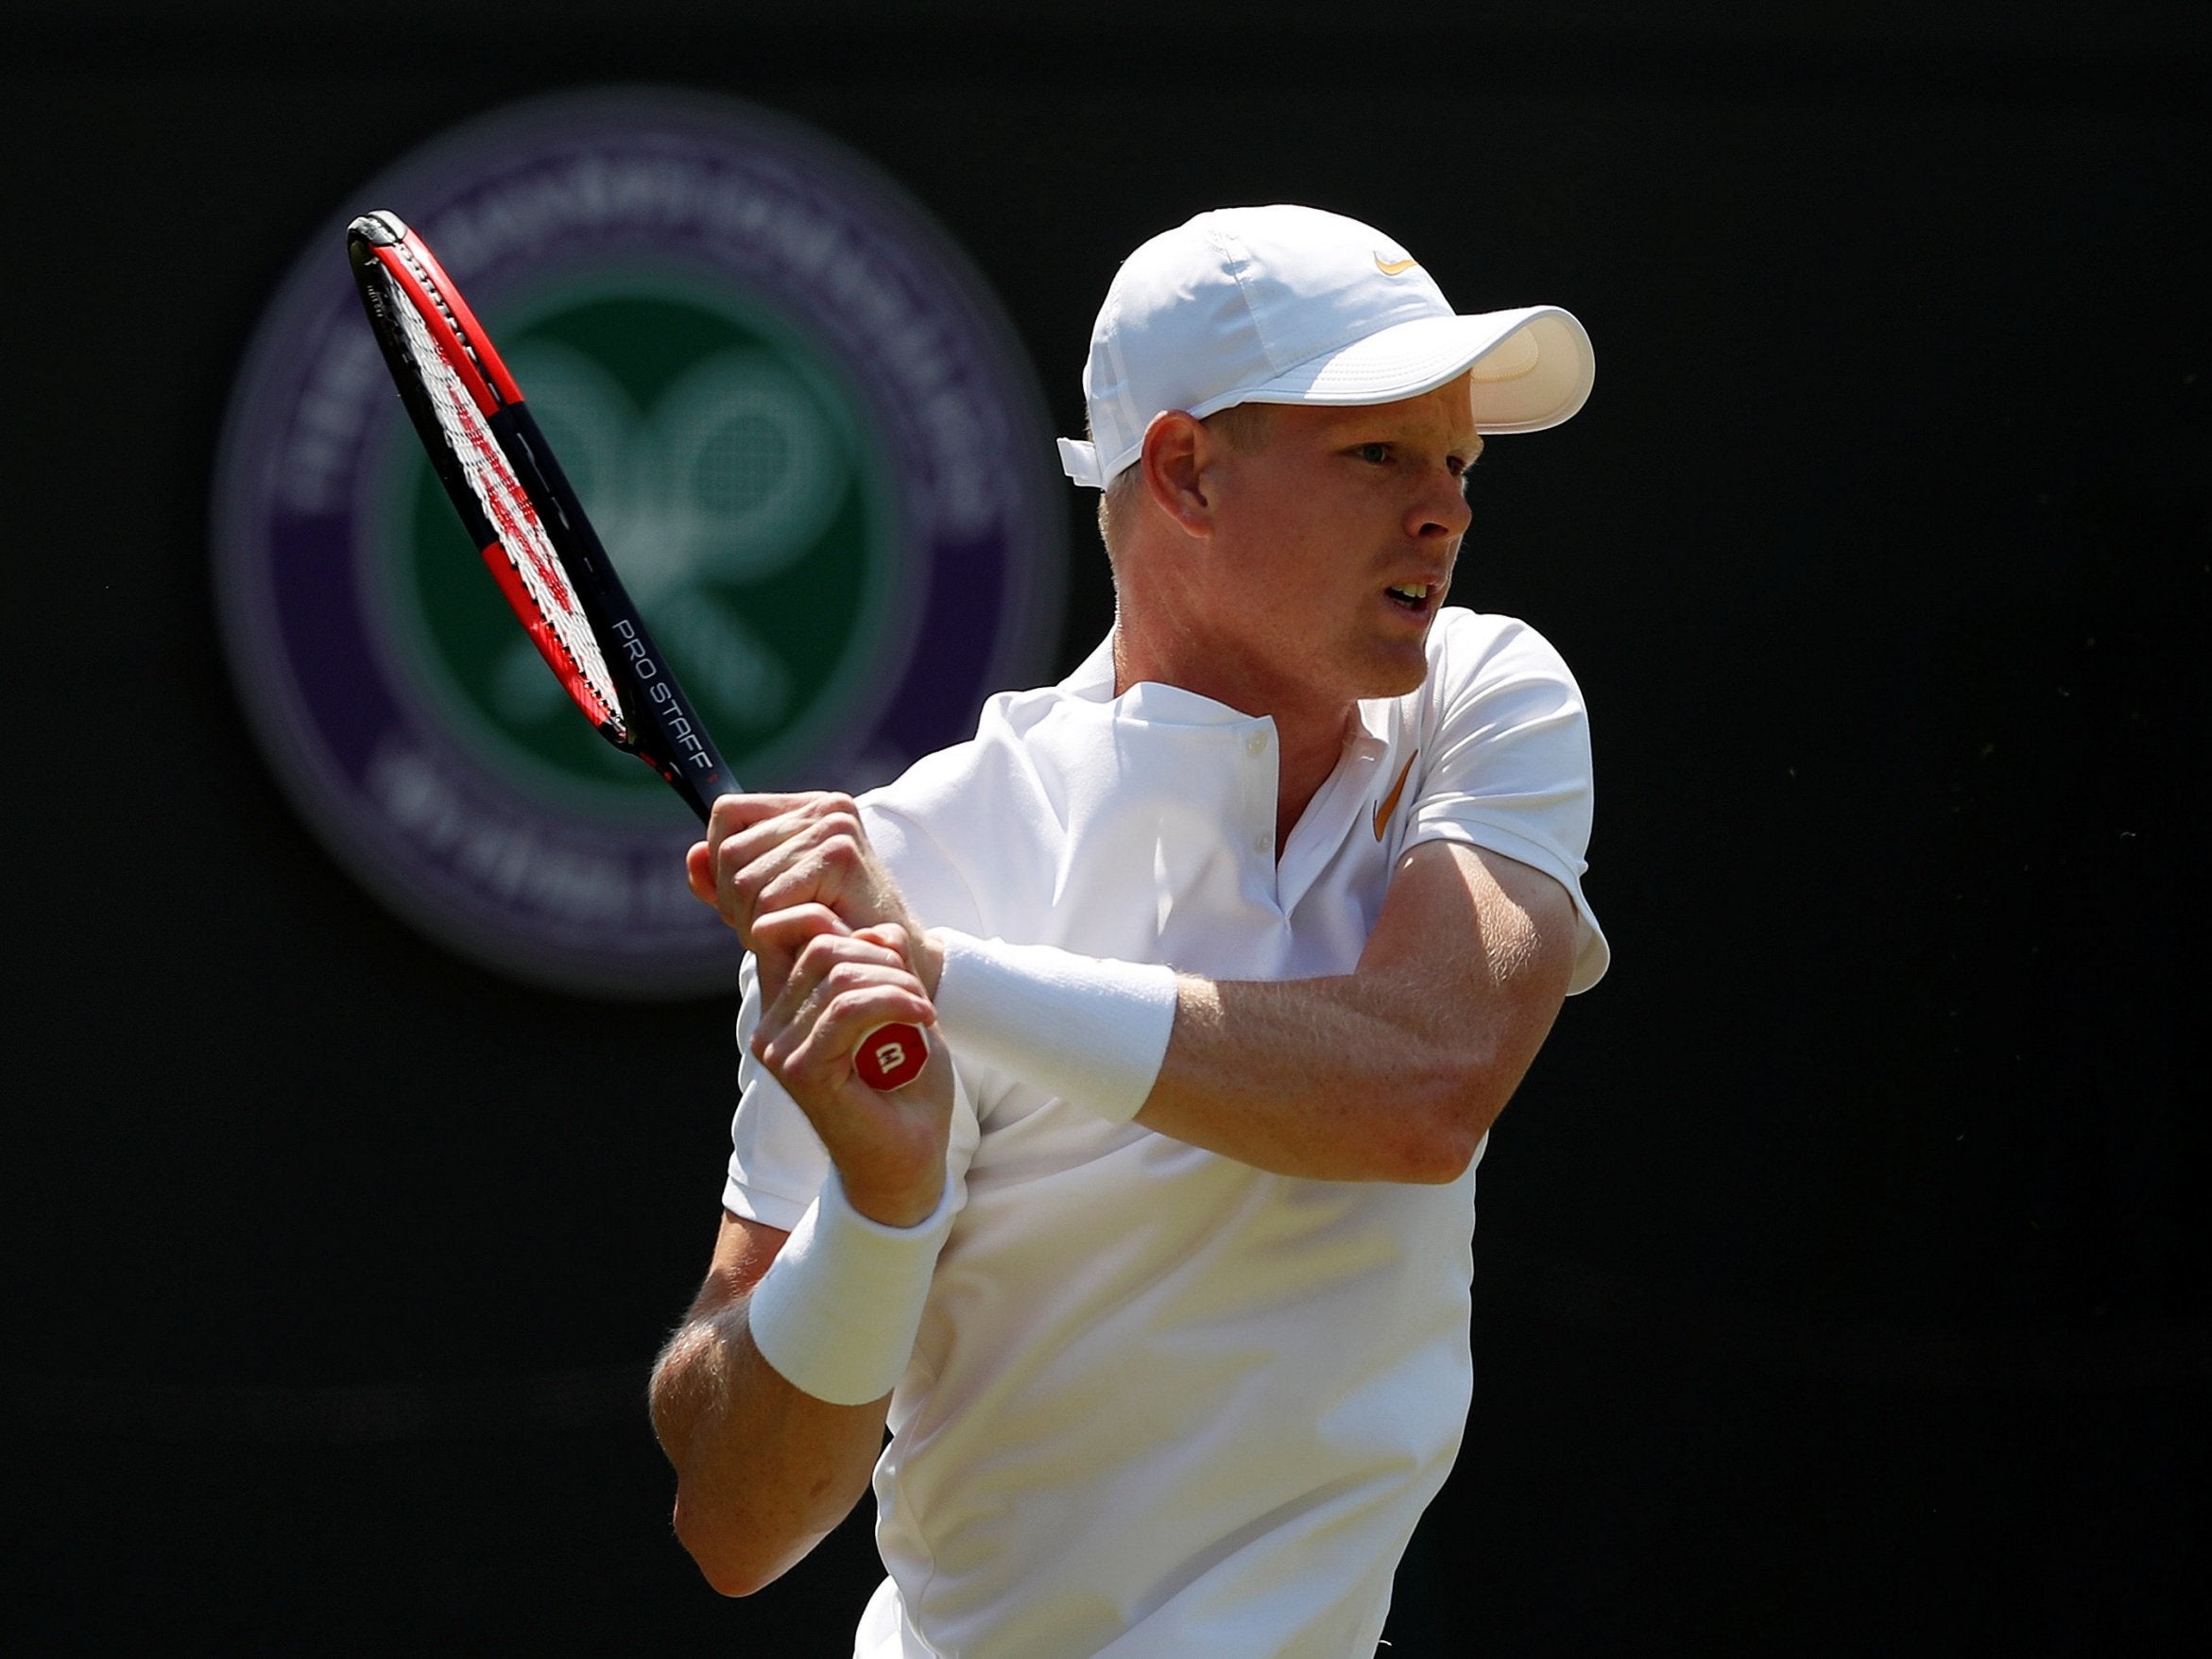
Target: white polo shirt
x,y
1162,1403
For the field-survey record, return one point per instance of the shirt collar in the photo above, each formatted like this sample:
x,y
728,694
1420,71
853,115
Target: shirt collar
x,y
1093,681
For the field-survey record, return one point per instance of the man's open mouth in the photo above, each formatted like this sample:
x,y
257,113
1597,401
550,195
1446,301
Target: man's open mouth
x,y
1410,595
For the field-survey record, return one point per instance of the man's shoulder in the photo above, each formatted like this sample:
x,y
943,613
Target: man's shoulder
x,y
932,786
965,785
956,822
1474,655
1464,643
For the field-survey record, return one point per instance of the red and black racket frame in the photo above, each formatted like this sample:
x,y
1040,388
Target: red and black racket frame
x,y
659,726
664,727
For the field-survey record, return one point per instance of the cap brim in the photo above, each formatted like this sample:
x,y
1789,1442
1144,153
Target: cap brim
x,y
1532,369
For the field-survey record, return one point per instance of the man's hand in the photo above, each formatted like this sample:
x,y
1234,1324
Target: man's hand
x,y
834,986
770,853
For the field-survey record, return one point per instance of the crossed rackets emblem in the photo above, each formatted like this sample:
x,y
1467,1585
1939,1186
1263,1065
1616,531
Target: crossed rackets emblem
x,y
730,477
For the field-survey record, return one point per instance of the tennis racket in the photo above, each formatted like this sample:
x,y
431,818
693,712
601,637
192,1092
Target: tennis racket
x,y
522,514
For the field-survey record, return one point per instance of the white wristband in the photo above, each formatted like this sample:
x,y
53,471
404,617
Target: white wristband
x,y
838,1310
1092,1031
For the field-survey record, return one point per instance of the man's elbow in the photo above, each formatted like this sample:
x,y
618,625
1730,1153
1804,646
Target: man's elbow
x,y
733,1551
1446,1129
725,1557
734,1584
1439,1154
732,1579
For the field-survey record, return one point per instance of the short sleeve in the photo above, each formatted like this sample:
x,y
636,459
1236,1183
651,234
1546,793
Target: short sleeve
x,y
777,1161
1508,747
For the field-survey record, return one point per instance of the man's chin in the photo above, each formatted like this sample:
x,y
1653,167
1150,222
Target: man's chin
x,y
1399,677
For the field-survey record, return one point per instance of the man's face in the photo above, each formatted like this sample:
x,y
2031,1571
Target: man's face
x,y
1335,534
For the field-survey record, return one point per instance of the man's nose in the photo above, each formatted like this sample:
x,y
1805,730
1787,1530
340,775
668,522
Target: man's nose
x,y
1443,507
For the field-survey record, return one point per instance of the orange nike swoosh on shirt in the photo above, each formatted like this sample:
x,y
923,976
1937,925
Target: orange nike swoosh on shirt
x,y
1388,804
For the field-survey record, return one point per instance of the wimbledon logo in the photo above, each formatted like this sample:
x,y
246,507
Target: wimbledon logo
x,y
734,482
797,420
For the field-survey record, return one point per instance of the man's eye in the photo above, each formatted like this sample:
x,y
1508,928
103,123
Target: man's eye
x,y
1377,453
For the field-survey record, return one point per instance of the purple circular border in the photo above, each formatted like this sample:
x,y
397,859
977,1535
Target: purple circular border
x,y
811,232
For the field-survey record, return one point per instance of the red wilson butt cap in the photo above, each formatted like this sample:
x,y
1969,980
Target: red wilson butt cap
x,y
891,1056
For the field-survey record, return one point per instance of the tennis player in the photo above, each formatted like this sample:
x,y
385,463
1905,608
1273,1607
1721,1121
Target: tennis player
x,y
1234,943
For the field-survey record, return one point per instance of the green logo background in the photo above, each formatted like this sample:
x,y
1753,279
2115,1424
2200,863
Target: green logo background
x,y
728,470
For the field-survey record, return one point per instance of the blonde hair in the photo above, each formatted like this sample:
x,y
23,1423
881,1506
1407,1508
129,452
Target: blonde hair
x,y
1242,426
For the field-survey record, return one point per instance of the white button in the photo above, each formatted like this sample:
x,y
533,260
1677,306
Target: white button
x,y
1261,842
1256,745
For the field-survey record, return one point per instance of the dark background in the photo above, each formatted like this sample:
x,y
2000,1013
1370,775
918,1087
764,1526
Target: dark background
x,y
1841,1266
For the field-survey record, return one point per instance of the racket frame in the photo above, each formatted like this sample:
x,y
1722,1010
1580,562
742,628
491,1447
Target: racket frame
x,y
654,719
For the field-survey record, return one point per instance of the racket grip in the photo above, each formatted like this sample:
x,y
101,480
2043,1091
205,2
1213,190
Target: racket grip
x,y
891,1056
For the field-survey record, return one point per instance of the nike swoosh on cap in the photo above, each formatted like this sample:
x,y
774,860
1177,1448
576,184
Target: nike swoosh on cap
x,y
1393,267
1388,804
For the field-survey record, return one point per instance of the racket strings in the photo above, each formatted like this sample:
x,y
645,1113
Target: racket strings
x,y
565,635
430,287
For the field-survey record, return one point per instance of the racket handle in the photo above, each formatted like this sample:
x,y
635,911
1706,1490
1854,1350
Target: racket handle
x,y
891,1056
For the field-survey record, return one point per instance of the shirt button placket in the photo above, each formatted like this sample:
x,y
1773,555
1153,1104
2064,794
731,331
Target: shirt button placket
x,y
1256,746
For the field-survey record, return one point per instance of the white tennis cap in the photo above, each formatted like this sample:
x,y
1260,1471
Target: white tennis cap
x,y
1293,305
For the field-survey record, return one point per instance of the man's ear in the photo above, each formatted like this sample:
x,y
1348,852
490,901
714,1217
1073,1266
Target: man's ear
x,y
1177,454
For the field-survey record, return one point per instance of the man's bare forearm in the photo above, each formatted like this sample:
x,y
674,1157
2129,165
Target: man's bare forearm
x,y
763,1471
1327,1079
1394,1073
